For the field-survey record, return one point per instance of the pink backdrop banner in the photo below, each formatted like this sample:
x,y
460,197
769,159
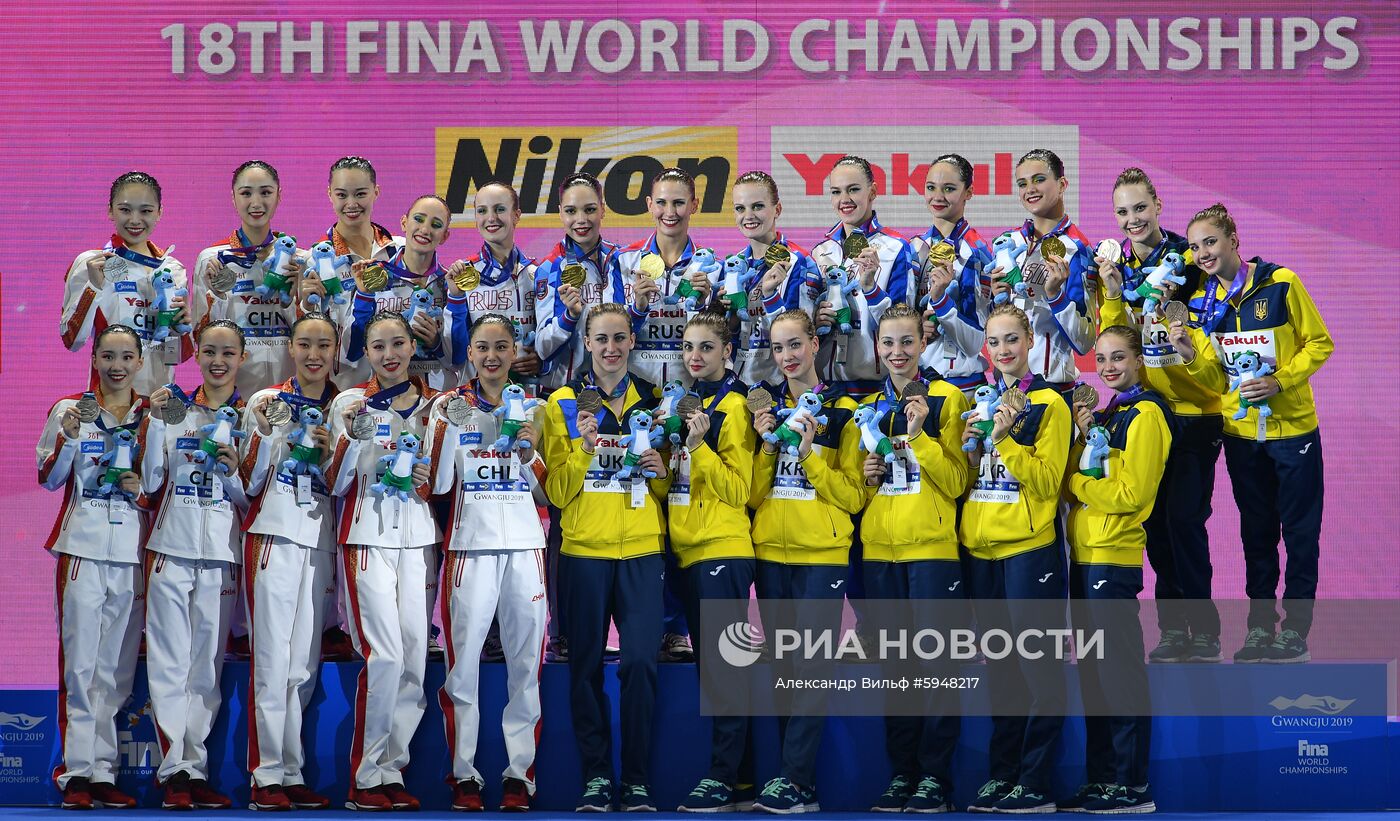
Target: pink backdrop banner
x,y
1285,111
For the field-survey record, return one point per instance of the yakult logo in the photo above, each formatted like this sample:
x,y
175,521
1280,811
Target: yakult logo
x,y
802,157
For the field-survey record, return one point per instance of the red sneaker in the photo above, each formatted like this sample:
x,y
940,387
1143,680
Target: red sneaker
x,y
269,799
370,800
305,798
515,796
336,646
466,796
177,793
401,799
206,797
107,795
76,795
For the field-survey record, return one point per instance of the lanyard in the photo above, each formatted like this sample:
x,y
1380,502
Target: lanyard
x,y
189,399
298,400
496,273
246,255
399,272
1120,399
1032,241
617,392
384,398
723,388
1211,313
1024,383
118,247
472,391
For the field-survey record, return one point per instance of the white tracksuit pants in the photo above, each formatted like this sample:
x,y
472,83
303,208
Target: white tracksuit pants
x,y
286,586
507,585
99,607
389,592
189,604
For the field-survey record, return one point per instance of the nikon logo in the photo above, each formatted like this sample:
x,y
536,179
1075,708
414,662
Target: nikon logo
x,y
623,159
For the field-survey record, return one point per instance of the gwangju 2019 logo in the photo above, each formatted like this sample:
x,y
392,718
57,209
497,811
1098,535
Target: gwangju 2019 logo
x,y
1327,705
624,159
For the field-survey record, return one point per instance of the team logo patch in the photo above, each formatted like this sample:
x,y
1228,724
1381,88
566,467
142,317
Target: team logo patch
x,y
1261,308
541,288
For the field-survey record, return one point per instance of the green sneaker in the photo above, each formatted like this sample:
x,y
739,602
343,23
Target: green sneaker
x,y
896,795
1086,793
1256,646
1174,647
1289,648
987,797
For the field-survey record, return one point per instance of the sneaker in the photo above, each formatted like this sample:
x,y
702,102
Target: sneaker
x,y
435,644
109,797
270,799
1289,648
987,797
709,796
206,797
1175,646
928,797
238,647
492,649
515,795
177,793
782,797
400,798
558,650
76,795
466,796
1123,801
1205,649
636,798
675,648
305,798
1021,800
597,796
370,800
336,646
1086,793
1256,646
895,796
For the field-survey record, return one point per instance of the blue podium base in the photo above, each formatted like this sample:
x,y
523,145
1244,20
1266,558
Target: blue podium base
x,y
1271,763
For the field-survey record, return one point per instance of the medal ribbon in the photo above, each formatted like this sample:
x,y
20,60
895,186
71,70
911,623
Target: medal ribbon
x,y
617,392
1119,399
118,247
384,398
247,255
721,388
472,393
398,272
1211,312
1132,268
298,400
1024,383
495,272
1033,241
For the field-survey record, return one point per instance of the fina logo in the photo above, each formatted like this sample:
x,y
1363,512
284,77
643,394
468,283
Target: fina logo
x,y
20,721
739,644
1328,705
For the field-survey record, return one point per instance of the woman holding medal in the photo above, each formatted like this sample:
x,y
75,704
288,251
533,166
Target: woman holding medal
x,y
910,538
1008,528
500,278
389,556
1178,545
98,584
952,254
879,258
806,487
234,266
494,566
611,564
784,269
117,285
394,284
1261,339
1111,497
709,526
289,562
190,463
1058,260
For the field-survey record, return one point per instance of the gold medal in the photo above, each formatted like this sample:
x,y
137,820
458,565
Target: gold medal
x,y
278,413
1052,247
1015,399
375,278
573,275
686,405
363,427
759,399
88,409
589,401
854,244
777,255
652,265
940,253
458,411
1175,312
1085,395
469,279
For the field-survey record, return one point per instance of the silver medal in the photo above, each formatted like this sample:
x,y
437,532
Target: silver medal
x,y
174,411
278,413
88,409
114,269
363,427
458,411
223,279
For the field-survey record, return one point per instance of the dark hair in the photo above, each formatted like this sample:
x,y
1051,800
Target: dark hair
x,y
759,178
1135,176
674,175
959,162
117,329
494,319
133,178
1045,155
388,316
581,178
315,316
796,315
221,323
433,197
514,195
900,310
859,162
271,172
353,163
1217,215
1128,335
606,309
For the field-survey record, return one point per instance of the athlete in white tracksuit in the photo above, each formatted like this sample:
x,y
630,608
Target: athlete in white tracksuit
x,y
289,582
192,559
98,589
494,569
390,563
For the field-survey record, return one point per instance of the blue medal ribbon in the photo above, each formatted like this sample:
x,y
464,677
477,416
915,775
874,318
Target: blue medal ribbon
x,y
247,255
384,398
118,246
1119,399
1211,311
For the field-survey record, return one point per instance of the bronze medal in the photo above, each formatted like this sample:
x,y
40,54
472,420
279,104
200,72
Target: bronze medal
x,y
174,411
686,405
1085,395
589,401
278,413
854,244
375,278
777,255
223,279
915,387
1052,247
88,409
363,427
1175,312
1110,250
469,279
940,253
458,411
652,266
1015,399
573,275
759,399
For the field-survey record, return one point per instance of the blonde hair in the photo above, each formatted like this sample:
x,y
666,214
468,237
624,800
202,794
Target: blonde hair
x,y
606,309
799,316
1135,176
900,310
1130,337
1218,216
